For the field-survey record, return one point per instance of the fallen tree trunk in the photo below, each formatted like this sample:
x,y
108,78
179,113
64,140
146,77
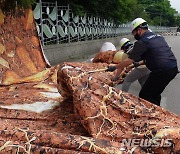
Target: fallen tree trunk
x,y
21,140
110,114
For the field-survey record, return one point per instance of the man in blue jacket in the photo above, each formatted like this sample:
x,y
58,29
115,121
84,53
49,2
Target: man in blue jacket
x,y
157,56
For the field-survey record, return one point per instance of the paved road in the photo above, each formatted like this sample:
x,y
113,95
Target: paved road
x,y
171,95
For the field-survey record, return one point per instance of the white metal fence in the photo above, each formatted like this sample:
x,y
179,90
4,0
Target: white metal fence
x,y
57,24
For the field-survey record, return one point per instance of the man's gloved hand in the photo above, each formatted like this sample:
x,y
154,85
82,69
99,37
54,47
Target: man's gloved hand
x,y
111,69
136,64
115,78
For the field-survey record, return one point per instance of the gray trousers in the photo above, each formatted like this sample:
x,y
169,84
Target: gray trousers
x,y
140,73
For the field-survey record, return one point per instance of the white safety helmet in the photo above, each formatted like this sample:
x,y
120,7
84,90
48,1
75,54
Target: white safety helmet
x,y
149,30
107,46
138,22
123,41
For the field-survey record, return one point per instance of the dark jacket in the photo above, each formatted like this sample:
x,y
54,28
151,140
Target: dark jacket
x,y
155,51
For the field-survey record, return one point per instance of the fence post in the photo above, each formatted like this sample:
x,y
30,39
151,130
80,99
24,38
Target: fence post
x,y
41,21
68,24
78,28
57,37
86,23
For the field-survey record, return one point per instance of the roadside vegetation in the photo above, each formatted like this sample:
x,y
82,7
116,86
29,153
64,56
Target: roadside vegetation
x,y
156,12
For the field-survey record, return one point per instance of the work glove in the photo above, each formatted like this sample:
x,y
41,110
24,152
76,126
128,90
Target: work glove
x,y
136,64
115,78
111,69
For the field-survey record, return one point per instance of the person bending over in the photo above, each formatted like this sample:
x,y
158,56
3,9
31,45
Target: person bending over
x,y
158,57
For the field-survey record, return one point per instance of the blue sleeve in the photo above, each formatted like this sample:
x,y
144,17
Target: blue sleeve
x,y
138,50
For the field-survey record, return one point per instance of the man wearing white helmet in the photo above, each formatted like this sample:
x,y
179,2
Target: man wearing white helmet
x,y
107,46
140,73
105,51
158,57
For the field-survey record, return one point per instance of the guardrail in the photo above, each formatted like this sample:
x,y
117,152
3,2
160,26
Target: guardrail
x,y
57,24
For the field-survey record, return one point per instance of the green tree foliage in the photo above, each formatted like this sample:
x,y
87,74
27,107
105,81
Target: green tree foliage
x,y
10,5
159,12
178,21
118,11
156,12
